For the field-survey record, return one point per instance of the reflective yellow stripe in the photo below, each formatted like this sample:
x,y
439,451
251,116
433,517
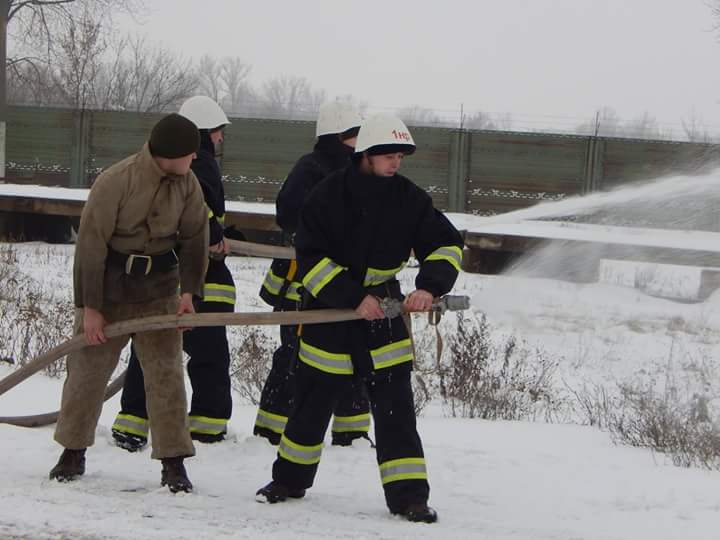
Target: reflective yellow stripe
x,y
207,425
321,274
359,422
273,283
336,363
210,214
221,219
451,254
392,354
128,423
273,422
376,276
403,469
293,293
297,453
217,292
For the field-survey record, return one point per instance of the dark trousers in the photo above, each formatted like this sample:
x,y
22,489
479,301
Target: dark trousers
x,y
352,409
208,366
398,446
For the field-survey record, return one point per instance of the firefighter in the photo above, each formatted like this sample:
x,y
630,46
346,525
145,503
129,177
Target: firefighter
x,y
143,239
336,130
356,232
207,347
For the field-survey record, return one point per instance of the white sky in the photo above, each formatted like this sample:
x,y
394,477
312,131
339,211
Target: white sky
x,y
559,59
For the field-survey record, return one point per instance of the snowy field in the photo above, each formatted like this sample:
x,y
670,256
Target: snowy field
x,y
489,480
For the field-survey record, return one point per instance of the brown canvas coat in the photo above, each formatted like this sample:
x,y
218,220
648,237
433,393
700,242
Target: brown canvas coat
x,y
135,208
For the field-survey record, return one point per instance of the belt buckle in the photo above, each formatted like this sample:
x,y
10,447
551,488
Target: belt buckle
x,y
131,260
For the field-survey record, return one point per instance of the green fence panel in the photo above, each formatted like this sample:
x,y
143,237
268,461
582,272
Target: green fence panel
x,y
509,171
39,145
628,160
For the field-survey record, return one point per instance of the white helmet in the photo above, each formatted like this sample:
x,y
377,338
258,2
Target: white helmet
x,y
384,134
204,112
335,117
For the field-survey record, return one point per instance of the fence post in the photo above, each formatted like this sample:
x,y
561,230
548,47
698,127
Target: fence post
x,y
458,169
78,162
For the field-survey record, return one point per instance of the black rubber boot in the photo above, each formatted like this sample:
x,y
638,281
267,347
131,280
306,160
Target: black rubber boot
x,y
128,441
345,438
419,513
174,475
272,437
274,492
70,465
207,438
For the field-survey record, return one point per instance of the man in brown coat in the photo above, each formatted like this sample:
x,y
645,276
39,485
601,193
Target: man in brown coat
x,y
143,238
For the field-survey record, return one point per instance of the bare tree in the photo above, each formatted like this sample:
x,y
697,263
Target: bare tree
x,y
32,24
291,97
694,128
358,105
233,76
418,116
150,77
209,72
76,59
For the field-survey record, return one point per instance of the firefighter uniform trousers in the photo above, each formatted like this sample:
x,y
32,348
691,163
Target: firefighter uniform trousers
x,y
351,410
89,371
399,450
208,368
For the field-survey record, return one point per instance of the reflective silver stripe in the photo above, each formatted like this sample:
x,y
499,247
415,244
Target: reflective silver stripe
x,y
303,455
403,469
320,275
392,354
351,423
273,422
140,427
292,292
217,292
272,282
452,254
207,425
338,363
377,276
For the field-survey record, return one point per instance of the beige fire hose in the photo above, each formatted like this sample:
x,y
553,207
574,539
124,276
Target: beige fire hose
x,y
391,307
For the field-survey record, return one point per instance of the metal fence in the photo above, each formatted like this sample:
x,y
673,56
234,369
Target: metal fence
x,y
483,172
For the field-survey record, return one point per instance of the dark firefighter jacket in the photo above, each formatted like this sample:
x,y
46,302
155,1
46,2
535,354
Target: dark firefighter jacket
x,y
329,155
356,232
208,174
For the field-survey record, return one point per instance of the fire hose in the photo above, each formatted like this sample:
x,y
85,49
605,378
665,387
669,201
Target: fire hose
x,y
391,307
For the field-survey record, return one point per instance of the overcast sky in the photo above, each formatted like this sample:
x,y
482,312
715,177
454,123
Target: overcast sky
x,y
555,60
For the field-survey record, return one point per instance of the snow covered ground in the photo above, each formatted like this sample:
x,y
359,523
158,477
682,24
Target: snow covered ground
x,y
489,480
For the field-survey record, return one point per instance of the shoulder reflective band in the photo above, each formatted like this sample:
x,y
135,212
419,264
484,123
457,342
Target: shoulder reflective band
x,y
359,422
392,354
216,292
298,453
273,422
403,469
207,425
451,254
336,363
320,275
135,425
377,276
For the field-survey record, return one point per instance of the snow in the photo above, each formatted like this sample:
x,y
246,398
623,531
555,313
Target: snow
x,y
503,224
493,480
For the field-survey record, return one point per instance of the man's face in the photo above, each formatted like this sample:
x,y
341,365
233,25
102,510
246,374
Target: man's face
x,y
179,166
217,136
385,164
